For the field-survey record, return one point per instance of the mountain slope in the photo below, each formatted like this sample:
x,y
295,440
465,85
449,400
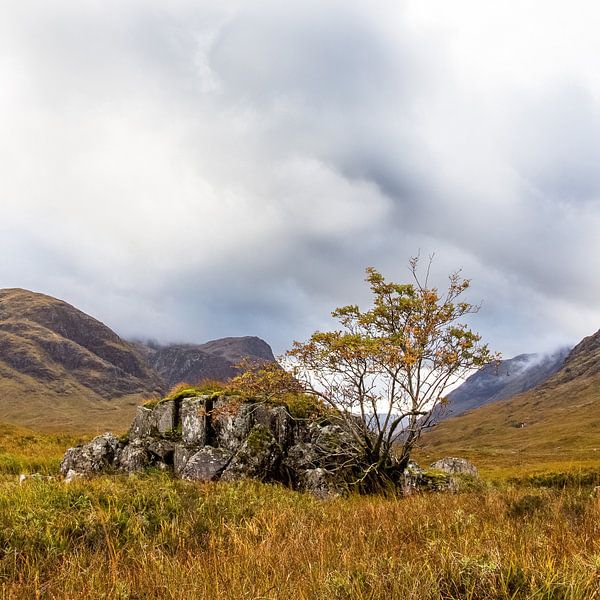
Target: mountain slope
x,y
216,359
496,382
555,422
58,364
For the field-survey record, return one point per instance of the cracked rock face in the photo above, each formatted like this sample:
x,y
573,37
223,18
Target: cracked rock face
x,y
134,457
206,439
207,464
95,457
194,418
257,457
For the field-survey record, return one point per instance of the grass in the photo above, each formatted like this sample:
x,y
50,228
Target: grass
x,y
154,537
205,388
25,451
75,409
151,536
526,530
561,433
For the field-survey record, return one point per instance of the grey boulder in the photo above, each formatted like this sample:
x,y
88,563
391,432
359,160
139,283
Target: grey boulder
x,y
206,464
256,458
95,457
455,466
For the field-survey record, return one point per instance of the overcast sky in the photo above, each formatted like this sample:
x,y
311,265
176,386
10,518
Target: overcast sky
x,y
187,170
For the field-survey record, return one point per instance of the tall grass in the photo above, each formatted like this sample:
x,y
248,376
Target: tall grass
x,y
25,451
150,536
154,537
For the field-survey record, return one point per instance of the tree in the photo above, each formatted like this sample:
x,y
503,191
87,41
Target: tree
x,y
391,365
262,380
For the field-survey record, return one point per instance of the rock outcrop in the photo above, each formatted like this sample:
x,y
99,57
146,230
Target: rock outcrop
x,y
208,438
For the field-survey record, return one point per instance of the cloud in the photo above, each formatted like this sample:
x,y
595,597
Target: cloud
x,y
201,170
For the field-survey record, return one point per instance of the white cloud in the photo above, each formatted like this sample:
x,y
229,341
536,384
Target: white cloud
x,y
196,170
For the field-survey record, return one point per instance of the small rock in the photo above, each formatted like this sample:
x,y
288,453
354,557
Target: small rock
x,y
71,475
181,456
256,457
95,457
161,451
143,423
455,466
165,416
277,419
134,457
23,477
320,483
231,426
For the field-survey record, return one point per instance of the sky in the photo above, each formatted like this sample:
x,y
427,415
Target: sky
x,y
189,170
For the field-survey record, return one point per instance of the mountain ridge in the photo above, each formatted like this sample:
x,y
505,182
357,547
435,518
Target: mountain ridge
x,y
215,359
63,369
502,380
557,420
49,338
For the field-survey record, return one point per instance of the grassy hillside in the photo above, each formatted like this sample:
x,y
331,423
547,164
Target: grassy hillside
x,y
555,424
498,381
24,402
60,369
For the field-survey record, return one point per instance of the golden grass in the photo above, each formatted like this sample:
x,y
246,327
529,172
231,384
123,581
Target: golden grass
x,y
154,537
24,402
561,431
25,451
523,532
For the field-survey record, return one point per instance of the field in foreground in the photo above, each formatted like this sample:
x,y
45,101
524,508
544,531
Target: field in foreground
x,y
150,536
153,537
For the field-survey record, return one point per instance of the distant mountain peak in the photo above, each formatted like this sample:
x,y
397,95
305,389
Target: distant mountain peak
x,y
499,381
557,420
582,361
216,359
60,367
43,333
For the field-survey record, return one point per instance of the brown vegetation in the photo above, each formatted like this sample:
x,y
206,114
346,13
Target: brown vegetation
x,y
153,537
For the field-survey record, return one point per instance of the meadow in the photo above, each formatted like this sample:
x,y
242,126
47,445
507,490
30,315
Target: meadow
x,y
150,536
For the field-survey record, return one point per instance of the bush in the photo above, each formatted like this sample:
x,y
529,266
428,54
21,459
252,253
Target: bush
x,y
526,506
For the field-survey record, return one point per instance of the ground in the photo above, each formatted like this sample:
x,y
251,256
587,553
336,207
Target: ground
x,y
150,536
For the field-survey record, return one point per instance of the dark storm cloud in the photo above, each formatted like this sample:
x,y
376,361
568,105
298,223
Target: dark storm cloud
x,y
201,170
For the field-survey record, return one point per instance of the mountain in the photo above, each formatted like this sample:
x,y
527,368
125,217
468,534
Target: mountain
x,y
56,362
498,381
62,369
192,363
557,421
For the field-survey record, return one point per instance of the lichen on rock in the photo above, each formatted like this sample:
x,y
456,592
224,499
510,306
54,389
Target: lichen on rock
x,y
455,466
204,438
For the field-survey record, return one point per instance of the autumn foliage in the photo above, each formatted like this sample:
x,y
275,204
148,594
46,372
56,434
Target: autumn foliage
x,y
392,364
